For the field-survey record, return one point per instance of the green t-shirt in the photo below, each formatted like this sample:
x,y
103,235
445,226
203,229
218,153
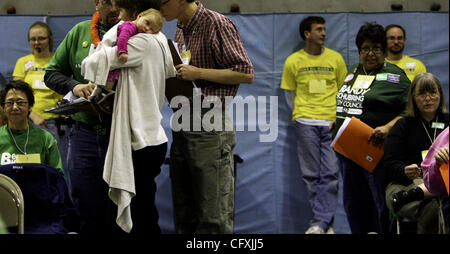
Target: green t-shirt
x,y
382,101
68,57
315,80
40,142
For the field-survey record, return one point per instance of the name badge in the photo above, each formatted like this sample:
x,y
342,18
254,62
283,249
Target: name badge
x,y
363,82
28,158
410,64
424,154
317,86
437,125
381,77
39,84
393,78
185,56
29,64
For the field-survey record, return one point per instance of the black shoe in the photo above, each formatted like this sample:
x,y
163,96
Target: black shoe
x,y
402,198
399,200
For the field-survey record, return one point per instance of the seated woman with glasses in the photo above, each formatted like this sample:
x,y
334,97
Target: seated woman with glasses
x,y
20,140
376,93
405,148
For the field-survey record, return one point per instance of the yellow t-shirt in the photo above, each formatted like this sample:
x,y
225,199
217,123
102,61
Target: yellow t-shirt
x,y
32,70
411,66
316,81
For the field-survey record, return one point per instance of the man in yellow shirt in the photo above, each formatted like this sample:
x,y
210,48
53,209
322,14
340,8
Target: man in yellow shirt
x,y
396,40
312,77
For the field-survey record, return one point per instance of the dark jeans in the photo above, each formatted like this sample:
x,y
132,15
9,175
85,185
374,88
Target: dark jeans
x,y
364,198
61,139
147,166
85,161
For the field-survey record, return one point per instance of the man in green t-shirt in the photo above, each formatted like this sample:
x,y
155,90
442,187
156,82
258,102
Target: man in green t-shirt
x,y
89,135
312,77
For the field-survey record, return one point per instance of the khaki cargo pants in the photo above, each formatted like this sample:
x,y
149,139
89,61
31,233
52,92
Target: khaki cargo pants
x,y
202,174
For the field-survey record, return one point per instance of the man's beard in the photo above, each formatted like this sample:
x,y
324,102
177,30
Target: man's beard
x,y
396,52
111,20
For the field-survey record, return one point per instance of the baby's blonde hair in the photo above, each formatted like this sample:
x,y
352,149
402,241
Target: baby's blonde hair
x,y
155,16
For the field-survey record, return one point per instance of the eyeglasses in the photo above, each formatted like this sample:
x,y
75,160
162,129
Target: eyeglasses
x,y
423,96
20,103
375,50
393,38
38,39
164,2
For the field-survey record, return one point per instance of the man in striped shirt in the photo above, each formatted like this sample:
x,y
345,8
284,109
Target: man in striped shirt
x,y
201,161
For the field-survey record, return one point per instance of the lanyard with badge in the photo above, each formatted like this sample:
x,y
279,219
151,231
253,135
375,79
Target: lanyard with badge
x,y
434,125
25,158
185,55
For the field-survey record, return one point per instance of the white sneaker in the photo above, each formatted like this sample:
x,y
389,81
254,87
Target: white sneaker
x,y
330,231
316,229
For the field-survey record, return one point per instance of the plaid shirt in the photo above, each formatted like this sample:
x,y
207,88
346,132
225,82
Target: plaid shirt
x,y
214,43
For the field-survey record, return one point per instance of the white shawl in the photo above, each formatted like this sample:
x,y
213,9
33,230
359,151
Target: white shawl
x,y
136,119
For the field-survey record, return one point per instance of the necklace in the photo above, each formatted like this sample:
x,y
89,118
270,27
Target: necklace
x,y
428,134
26,142
370,73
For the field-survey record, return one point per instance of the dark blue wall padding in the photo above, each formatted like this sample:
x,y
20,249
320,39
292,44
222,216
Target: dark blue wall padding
x,y
270,195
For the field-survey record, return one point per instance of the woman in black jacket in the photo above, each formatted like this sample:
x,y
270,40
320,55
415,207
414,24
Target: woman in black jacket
x,y
406,146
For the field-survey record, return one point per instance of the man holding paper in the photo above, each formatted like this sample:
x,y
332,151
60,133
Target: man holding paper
x,y
201,161
89,135
311,77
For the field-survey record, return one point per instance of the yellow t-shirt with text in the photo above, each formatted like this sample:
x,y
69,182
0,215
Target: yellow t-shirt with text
x,y
316,81
32,70
411,66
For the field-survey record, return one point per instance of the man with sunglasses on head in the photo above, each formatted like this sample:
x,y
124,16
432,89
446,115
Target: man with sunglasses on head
x,y
396,40
89,135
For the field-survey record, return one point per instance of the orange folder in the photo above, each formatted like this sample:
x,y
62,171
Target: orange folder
x,y
352,142
444,174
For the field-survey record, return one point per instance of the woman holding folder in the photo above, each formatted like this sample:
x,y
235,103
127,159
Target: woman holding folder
x,y
376,93
405,148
